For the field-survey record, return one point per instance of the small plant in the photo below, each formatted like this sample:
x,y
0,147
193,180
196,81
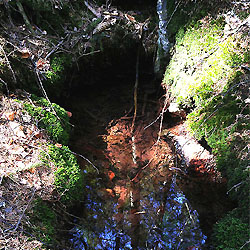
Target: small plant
x,y
57,65
51,117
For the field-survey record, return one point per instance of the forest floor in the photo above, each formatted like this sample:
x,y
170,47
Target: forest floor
x,y
23,177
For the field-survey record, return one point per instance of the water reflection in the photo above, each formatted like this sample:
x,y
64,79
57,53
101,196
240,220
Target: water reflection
x,y
159,218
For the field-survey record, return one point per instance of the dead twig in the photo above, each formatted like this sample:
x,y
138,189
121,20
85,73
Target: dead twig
x,y
8,63
6,86
164,109
135,88
245,244
40,84
54,49
170,18
235,187
96,12
20,218
86,159
87,54
161,116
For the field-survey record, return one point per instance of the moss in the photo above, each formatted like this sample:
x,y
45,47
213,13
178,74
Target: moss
x,y
200,62
205,74
56,75
69,179
53,119
231,233
44,220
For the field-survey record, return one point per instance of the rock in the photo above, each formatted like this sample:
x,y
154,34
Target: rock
x,y
174,110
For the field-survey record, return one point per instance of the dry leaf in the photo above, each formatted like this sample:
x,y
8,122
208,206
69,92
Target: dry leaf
x,y
15,126
23,181
130,18
9,115
29,131
11,141
110,192
38,134
69,114
32,170
25,53
20,164
42,64
111,175
16,150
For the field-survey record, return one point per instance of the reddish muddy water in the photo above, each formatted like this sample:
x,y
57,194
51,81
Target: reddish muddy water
x,y
157,189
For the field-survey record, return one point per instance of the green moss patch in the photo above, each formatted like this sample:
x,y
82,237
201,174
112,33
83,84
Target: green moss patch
x,y
206,74
44,221
203,62
51,117
231,233
69,180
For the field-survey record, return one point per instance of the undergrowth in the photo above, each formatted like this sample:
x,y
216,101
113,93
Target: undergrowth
x,y
205,75
51,117
231,233
69,179
44,220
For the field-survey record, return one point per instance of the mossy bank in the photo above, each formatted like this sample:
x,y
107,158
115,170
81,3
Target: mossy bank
x,y
209,76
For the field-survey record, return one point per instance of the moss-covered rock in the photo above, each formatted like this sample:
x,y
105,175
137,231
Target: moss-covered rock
x,y
44,220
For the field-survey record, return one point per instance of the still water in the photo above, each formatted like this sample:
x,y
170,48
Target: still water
x,y
161,219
